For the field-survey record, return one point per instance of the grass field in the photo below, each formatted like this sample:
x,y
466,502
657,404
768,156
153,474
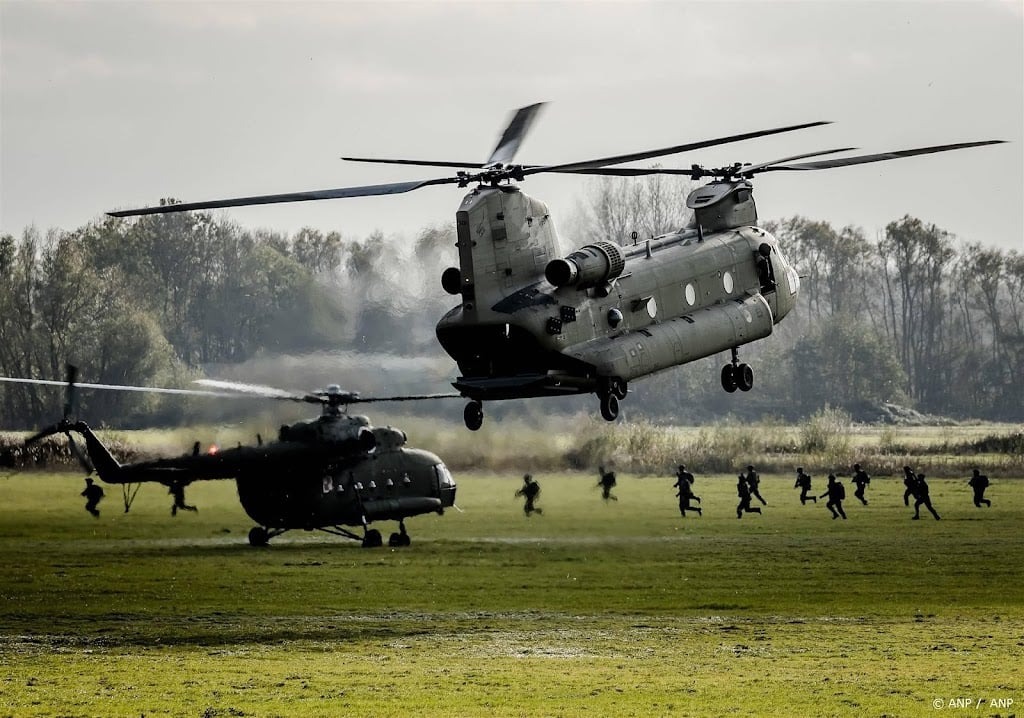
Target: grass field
x,y
600,609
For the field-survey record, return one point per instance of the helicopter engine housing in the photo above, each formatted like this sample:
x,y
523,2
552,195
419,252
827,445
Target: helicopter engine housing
x,y
590,266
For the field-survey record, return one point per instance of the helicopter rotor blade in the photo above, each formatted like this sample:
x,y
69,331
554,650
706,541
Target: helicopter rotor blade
x,y
635,156
880,157
342,192
69,395
417,163
412,397
117,387
744,170
256,390
749,170
514,134
83,460
43,433
269,392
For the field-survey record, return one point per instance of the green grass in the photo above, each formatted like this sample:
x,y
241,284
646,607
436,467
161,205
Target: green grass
x,y
594,609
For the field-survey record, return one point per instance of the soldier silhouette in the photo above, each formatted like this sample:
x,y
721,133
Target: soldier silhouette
x,y
94,494
684,481
910,482
835,492
979,482
530,490
177,490
921,494
743,491
606,482
803,482
753,481
860,480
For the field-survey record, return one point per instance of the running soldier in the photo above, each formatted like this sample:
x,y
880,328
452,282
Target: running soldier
x,y
860,480
684,480
921,494
683,474
177,490
743,491
835,492
979,482
606,482
910,482
530,491
803,482
753,481
93,494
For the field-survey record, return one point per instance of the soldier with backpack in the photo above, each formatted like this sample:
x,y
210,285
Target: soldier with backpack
x,y
835,492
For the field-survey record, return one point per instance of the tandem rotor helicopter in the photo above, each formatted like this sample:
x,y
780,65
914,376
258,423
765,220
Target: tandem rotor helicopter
x,y
533,323
333,471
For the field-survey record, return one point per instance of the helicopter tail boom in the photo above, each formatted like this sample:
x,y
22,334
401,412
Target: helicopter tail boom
x,y
107,467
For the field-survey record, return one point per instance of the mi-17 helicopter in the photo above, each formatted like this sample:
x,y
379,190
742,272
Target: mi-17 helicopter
x,y
333,471
534,323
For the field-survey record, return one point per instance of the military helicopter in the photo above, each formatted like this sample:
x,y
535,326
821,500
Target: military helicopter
x,y
333,471
531,322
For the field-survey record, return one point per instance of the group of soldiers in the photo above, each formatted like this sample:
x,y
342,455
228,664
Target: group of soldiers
x,y
748,489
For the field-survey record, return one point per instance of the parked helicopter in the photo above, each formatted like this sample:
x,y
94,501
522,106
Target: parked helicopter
x,y
333,471
533,323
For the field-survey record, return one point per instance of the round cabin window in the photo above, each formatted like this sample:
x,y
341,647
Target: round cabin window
x,y
727,282
691,294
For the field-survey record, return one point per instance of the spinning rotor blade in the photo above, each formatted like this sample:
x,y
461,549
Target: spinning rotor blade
x,y
881,157
418,163
69,397
116,387
269,392
411,397
365,191
257,390
573,167
503,153
513,135
83,460
749,170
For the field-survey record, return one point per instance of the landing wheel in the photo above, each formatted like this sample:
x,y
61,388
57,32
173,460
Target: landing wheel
x,y
372,539
609,407
744,377
729,378
258,536
618,388
473,415
397,539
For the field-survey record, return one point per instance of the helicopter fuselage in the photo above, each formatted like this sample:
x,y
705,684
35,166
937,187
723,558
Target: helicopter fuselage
x,y
532,323
299,484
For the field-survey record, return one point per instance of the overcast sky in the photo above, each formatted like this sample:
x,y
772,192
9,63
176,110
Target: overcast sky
x,y
109,105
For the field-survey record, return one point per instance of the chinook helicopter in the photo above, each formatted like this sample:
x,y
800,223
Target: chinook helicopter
x,y
532,323
324,474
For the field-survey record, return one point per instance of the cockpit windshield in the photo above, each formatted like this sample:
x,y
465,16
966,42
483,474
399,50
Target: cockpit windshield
x,y
444,476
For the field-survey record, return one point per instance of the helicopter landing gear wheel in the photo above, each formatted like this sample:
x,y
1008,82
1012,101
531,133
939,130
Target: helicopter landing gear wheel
x,y
618,388
372,539
473,415
744,376
258,536
729,378
401,538
609,407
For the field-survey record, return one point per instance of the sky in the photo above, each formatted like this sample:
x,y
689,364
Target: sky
x,y
107,105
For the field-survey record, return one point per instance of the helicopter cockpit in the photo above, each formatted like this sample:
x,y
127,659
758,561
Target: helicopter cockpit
x,y
722,205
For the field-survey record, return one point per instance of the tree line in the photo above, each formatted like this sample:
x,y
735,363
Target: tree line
x,y
913,317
